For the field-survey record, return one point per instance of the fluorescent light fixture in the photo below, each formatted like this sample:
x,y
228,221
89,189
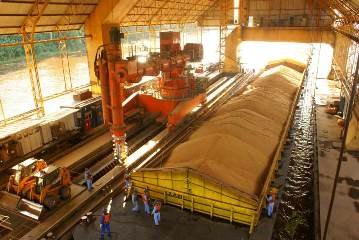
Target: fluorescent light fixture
x,y
339,14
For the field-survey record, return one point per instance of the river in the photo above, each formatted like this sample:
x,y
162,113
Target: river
x,y
15,88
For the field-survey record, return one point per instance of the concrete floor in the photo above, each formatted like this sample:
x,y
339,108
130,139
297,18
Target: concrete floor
x,y
175,224
345,214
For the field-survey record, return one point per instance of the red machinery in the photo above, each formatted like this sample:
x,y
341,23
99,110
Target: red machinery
x,y
179,90
177,93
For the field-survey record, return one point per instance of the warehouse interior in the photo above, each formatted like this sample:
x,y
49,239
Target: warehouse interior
x,y
219,111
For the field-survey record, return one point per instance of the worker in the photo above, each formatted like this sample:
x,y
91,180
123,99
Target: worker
x,y
105,224
127,185
88,179
156,212
270,205
145,198
135,201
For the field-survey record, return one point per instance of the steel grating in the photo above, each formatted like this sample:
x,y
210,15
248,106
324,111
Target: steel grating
x,y
56,14
156,12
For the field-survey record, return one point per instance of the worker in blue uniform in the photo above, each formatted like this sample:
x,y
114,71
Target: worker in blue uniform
x,y
135,208
88,179
105,224
156,212
270,205
128,185
145,199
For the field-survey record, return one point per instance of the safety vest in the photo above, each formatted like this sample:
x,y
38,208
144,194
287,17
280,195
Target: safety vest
x,y
106,218
144,198
88,176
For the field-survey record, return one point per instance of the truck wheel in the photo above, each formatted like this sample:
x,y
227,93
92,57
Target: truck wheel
x,y
50,202
26,193
65,192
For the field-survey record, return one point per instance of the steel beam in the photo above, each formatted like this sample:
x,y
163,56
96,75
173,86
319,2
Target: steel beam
x,y
43,25
44,41
223,29
148,12
27,30
71,10
289,34
49,3
44,15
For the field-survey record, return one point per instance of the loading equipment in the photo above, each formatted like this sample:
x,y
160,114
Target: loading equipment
x,y
35,187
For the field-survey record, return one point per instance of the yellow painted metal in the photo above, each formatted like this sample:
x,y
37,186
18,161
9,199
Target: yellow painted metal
x,y
2,113
27,30
189,189
232,41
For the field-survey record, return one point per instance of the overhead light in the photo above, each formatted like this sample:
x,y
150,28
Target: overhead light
x,y
236,12
336,11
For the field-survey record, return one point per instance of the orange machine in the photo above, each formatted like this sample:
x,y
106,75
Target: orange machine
x,y
177,91
114,72
37,186
50,185
23,175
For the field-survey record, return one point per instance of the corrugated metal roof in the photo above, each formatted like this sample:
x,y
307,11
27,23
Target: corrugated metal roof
x,y
155,12
71,14
65,14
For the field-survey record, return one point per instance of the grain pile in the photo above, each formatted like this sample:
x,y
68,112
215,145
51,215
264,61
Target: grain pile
x,y
288,62
237,144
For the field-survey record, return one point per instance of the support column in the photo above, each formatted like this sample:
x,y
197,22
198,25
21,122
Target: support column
x,y
153,39
34,74
223,29
65,64
28,30
106,13
233,40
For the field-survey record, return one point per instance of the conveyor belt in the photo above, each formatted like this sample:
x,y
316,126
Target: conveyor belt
x,y
70,160
105,164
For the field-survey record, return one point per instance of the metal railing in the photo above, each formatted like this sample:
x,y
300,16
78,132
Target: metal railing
x,y
2,114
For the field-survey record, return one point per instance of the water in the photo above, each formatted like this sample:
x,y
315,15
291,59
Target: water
x,y
295,214
15,87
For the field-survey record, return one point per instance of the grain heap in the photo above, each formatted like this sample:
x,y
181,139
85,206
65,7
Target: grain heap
x,y
288,62
237,144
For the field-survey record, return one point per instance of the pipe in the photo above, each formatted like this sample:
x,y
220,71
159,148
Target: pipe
x,y
116,107
117,75
105,90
